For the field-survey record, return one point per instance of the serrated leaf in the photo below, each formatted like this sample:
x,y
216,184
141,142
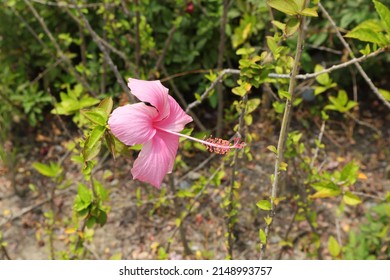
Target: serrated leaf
x,y
272,149
309,12
285,6
262,236
264,205
384,14
333,247
351,199
292,26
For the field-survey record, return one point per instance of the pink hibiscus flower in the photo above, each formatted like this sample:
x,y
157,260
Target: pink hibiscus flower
x,y
155,122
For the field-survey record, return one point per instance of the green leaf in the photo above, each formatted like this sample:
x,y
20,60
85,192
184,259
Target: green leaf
x,y
106,105
385,94
272,149
264,205
322,79
283,166
384,14
272,45
279,24
91,222
262,236
84,194
285,6
292,26
268,220
252,104
349,173
333,247
325,189
309,12
96,116
368,35
240,90
285,94
52,170
244,52
351,199
102,218
93,143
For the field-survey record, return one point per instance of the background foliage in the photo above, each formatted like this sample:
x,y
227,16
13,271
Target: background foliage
x,y
63,70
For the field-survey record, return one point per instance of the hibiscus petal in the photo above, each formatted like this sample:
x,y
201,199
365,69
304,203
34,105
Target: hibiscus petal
x,y
177,118
156,159
153,92
133,124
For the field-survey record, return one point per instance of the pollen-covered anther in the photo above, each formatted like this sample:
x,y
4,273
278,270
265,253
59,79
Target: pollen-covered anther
x,y
218,145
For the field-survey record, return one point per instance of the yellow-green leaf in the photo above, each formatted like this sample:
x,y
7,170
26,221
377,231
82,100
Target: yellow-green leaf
x,y
385,94
264,205
368,35
272,149
96,116
268,220
262,236
309,12
279,24
285,6
384,14
333,247
106,105
283,166
292,26
351,199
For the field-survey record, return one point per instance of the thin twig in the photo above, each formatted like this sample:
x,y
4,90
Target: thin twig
x,y
137,39
356,63
284,129
183,236
221,51
330,69
25,211
60,53
102,48
196,198
288,230
230,210
183,101
65,5
167,43
211,87
313,159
